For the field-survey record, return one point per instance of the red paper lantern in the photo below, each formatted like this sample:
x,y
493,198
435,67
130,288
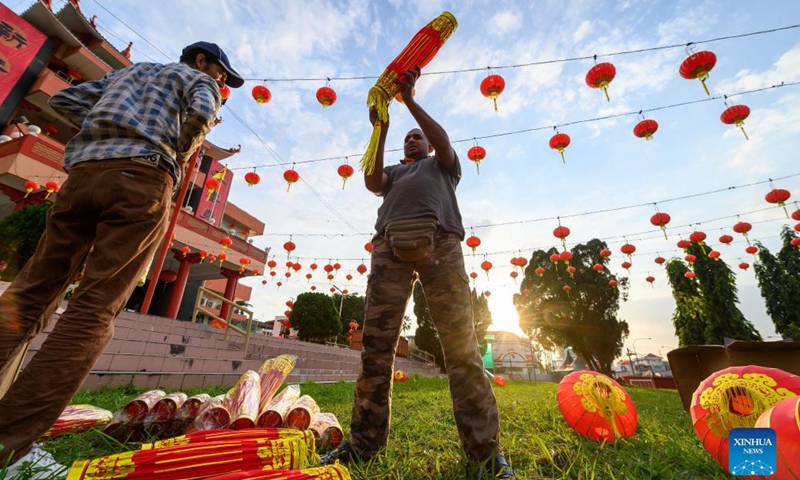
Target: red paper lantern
x,y
626,266
571,270
690,275
562,233
296,267
492,86
627,249
697,66
369,247
600,75
328,268
650,280
597,268
362,269
540,271
263,282
261,94
212,259
291,176
313,266
752,249
559,142
526,292
566,289
698,237
326,96
289,247
487,293
348,277
477,154
612,283
225,92
213,185
736,115
473,276
167,276
735,398
225,242
726,239
779,196
50,130
399,376
473,242
336,266
684,244
784,418
345,171
744,265
486,265
308,276
251,178
596,406
555,258
272,264
714,254
565,256
313,287
51,186
279,284
661,220
690,258
660,260
645,129
185,250
30,186
605,253
499,381
796,215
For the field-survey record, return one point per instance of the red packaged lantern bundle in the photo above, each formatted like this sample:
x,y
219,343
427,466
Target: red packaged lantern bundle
x,y
77,419
418,53
275,412
245,401
596,406
327,430
735,398
328,472
301,413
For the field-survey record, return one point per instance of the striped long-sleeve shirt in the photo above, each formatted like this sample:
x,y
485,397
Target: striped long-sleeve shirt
x,y
142,110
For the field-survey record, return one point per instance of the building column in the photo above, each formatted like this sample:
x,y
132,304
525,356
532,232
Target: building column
x,y
233,277
179,288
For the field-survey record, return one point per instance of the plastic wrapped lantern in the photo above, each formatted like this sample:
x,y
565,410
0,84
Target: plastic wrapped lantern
x,y
477,154
559,142
596,406
736,115
735,398
326,96
784,418
645,129
697,66
492,86
600,75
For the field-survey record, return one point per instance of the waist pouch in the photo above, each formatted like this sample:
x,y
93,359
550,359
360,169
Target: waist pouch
x,y
412,239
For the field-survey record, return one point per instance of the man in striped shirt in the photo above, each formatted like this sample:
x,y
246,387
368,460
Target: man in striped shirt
x,y
138,126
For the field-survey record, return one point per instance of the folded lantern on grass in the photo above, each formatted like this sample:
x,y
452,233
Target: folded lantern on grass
x,y
596,406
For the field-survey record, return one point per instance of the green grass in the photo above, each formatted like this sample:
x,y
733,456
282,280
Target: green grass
x,y
538,443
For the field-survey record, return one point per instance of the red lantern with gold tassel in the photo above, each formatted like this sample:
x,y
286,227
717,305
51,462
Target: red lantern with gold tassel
x,y
52,187
486,265
661,220
473,242
251,178
492,86
30,186
645,129
326,96
562,233
743,228
291,176
779,196
289,247
345,171
477,154
261,94
600,75
559,142
697,66
736,115
213,185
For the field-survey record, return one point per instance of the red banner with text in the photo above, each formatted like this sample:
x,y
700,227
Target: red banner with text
x,y
19,43
212,206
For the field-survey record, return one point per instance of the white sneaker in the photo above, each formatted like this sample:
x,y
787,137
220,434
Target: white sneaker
x,y
36,465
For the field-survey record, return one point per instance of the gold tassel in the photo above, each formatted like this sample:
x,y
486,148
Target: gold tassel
x,y
379,100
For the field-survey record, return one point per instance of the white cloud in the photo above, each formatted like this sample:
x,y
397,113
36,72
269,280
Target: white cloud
x,y
786,69
504,22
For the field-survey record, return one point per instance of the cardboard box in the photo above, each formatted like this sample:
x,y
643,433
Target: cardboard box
x,y
693,364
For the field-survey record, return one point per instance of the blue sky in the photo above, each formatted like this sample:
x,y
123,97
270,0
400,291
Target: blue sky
x,y
521,179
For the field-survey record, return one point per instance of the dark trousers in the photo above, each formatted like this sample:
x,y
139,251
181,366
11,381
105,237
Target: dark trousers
x,y
121,208
446,287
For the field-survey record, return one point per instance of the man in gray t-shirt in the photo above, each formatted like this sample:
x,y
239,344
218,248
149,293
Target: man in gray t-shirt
x,y
422,187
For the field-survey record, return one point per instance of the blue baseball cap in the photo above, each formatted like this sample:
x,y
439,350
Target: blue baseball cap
x,y
233,80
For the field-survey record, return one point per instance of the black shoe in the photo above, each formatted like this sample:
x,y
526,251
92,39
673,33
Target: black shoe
x,y
344,453
497,467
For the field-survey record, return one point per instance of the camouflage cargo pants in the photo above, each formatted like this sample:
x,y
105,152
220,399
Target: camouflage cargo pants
x,y
447,290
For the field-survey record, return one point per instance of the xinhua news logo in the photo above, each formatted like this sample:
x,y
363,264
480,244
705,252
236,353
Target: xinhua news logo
x,y
751,451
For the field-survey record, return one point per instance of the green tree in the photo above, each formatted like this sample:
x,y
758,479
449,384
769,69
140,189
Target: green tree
x,y
315,318
585,318
781,289
717,284
688,318
426,337
352,311
20,233
481,319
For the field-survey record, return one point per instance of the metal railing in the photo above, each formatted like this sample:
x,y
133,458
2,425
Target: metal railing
x,y
225,321
422,356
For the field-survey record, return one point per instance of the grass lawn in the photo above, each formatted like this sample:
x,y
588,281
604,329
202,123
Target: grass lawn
x,y
538,443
